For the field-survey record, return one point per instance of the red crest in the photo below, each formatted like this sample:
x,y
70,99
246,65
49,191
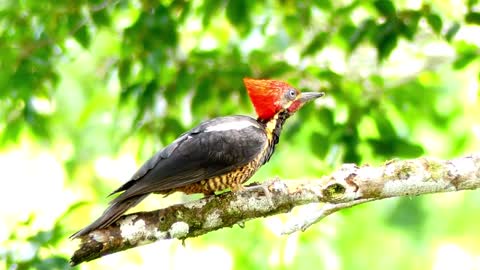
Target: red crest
x,y
266,95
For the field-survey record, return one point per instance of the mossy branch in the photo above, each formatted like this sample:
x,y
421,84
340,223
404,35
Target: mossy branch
x,y
350,185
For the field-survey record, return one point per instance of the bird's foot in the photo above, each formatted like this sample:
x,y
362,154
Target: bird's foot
x,y
262,187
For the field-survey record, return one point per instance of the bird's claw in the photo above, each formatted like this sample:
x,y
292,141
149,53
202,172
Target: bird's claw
x,y
263,187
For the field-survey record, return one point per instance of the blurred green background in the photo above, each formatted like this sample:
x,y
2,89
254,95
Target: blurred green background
x,y
89,89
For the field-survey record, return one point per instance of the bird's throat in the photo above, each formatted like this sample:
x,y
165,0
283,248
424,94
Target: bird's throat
x,y
273,128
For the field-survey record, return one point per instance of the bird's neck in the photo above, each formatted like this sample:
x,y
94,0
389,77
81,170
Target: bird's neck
x,y
273,126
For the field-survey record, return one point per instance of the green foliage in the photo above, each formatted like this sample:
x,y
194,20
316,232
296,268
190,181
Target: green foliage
x,y
90,80
31,247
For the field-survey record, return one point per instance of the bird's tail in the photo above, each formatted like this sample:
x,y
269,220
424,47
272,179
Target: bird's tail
x,y
111,214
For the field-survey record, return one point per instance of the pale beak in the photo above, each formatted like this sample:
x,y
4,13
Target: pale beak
x,y
308,96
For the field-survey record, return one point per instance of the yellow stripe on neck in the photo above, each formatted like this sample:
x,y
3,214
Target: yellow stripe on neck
x,y
270,126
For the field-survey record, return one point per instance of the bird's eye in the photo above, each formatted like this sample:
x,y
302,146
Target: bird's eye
x,y
291,94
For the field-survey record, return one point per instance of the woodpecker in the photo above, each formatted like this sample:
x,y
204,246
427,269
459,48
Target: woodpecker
x,y
220,153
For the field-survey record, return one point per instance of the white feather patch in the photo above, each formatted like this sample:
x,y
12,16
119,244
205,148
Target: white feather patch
x,y
230,126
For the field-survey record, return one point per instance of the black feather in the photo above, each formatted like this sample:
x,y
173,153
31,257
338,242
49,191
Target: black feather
x,y
110,215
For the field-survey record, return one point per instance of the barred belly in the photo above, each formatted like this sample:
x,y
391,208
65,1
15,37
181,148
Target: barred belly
x,y
233,180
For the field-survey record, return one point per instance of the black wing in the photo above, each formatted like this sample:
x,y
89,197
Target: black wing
x,y
213,148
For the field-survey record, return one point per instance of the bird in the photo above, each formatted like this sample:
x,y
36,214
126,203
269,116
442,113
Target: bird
x,y
218,154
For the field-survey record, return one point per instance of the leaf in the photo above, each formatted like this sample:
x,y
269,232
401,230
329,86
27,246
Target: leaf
x,y
83,36
346,31
238,15
164,26
171,129
77,24
346,10
334,78
101,17
185,11
184,80
407,149
452,31
54,262
129,91
435,22
210,7
360,33
386,39
473,17
291,25
463,60
385,7
471,3
202,95
320,144
408,215
147,99
323,4
466,53
304,12
37,122
12,132
277,69
41,237
408,23
124,69
395,147
351,141
317,43
384,126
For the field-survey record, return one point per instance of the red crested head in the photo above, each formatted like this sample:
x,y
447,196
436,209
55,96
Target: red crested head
x,y
266,96
271,96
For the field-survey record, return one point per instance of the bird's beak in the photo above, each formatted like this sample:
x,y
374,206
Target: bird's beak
x,y
308,96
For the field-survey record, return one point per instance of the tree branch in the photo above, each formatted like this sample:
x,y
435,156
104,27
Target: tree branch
x,y
347,187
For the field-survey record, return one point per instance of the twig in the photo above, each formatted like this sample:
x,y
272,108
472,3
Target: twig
x,y
304,222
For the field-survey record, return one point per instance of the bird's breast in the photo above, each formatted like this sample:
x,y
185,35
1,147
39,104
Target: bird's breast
x,y
232,179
